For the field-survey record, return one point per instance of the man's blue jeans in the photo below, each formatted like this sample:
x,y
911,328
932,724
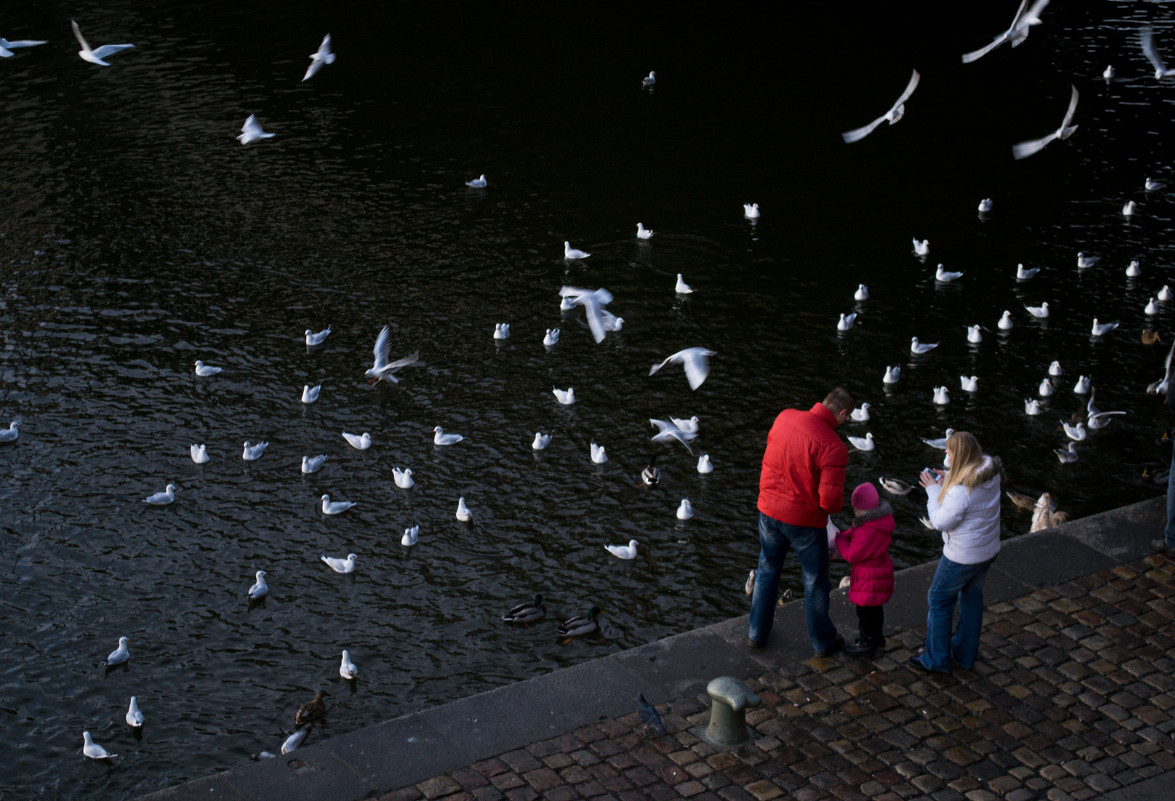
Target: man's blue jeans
x,y
954,583
1169,531
811,546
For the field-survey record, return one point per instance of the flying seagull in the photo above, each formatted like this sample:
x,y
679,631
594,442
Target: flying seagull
x,y
1147,37
1016,33
893,115
319,58
96,56
1026,149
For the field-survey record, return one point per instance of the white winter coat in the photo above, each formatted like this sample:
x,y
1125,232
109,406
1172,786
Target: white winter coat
x,y
969,519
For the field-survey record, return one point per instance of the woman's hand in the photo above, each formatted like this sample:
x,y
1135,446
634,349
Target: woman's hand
x,y
930,478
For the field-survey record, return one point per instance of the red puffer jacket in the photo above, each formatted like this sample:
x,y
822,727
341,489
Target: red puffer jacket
x,y
803,477
866,547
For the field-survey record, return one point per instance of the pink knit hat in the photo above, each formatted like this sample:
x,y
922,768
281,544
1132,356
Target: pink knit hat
x,y
865,497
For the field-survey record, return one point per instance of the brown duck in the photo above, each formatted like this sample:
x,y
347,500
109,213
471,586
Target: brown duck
x,y
311,711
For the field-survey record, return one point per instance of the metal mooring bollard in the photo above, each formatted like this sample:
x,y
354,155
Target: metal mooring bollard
x,y
728,718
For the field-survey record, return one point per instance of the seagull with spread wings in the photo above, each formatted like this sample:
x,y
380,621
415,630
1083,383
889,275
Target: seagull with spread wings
x,y
1026,149
894,114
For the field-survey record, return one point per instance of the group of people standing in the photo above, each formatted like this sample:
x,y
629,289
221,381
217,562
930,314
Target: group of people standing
x,y
802,483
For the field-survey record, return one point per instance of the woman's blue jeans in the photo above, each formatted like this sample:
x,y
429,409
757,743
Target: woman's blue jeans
x,y
811,546
960,584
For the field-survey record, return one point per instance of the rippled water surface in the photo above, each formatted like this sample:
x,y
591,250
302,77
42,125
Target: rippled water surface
x,y
137,236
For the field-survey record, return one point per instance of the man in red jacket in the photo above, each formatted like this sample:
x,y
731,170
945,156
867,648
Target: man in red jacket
x,y
801,484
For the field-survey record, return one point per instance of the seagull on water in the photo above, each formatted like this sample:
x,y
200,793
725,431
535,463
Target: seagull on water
x,y
347,668
945,276
477,183
1133,270
1067,455
205,370
1040,311
1074,432
564,396
1151,185
96,56
312,464
573,253
1152,307
704,466
94,751
403,478
689,426
1032,407
1083,385
259,589
599,455
861,413
623,551
649,79
252,453
463,513
862,443
941,442
921,247
251,131
330,507
917,347
1101,329
310,393
642,232
313,338
985,205
411,536
667,431
1016,33
6,46
120,654
134,716
1046,388
942,396
439,437
682,288
969,383
319,58
199,454
862,292
895,113
359,442
685,510
1147,39
1084,261
501,330
541,441
1165,294
695,361
846,321
1024,273
381,368
974,335
340,565
751,211
551,337
1108,73
161,498
1055,368
1128,209
892,374
1005,323
1027,148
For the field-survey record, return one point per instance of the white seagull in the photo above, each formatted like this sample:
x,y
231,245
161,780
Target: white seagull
x,y
682,288
403,478
310,393
969,383
551,337
895,113
696,362
1032,407
861,413
347,668
1128,209
892,374
205,370
439,437
689,426
96,56
942,396
918,348
463,513
120,654
593,301
1016,33
985,205
411,536
1074,432
1108,73
477,183
251,131
1027,148
862,443
1024,273
751,211
541,441
1152,307
134,716
946,276
94,751
198,453
599,455
1040,311
1067,455
1083,385
921,247
1147,38
573,253
1165,294
340,565
941,442
1151,185
1101,329
501,330
330,507
1046,388
252,453
974,335
360,442
564,396
1005,323
319,58
317,339
312,464
259,589
642,232
1133,270
1055,368
623,551
381,368
846,321
862,292
704,465
1084,261
7,46
649,79
685,510
667,431
161,498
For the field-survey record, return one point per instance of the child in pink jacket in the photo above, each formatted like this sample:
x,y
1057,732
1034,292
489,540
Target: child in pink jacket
x,y
866,547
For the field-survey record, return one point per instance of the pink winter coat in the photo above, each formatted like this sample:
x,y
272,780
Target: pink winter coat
x,y
866,547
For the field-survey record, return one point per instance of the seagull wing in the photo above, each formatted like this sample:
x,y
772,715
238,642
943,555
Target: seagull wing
x,y
77,32
380,351
678,356
975,55
1026,149
23,42
110,50
1016,20
697,366
1146,37
909,90
1032,17
315,66
861,133
1072,110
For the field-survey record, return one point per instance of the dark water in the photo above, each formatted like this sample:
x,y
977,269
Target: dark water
x,y
138,236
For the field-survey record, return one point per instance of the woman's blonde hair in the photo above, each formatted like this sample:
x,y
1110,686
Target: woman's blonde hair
x,y
966,461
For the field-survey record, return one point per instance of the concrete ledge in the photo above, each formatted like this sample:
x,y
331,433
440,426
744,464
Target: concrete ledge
x,y
434,741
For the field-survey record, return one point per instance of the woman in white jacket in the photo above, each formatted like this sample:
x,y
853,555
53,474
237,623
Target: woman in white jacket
x,y
964,504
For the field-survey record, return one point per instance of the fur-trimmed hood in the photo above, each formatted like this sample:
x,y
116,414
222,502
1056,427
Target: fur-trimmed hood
x,y
883,509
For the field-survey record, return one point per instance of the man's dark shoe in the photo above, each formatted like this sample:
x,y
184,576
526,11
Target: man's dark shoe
x,y
916,663
1161,546
836,645
862,648
755,645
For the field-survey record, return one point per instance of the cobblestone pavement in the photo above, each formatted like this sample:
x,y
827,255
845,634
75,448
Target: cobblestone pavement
x,y
1072,698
